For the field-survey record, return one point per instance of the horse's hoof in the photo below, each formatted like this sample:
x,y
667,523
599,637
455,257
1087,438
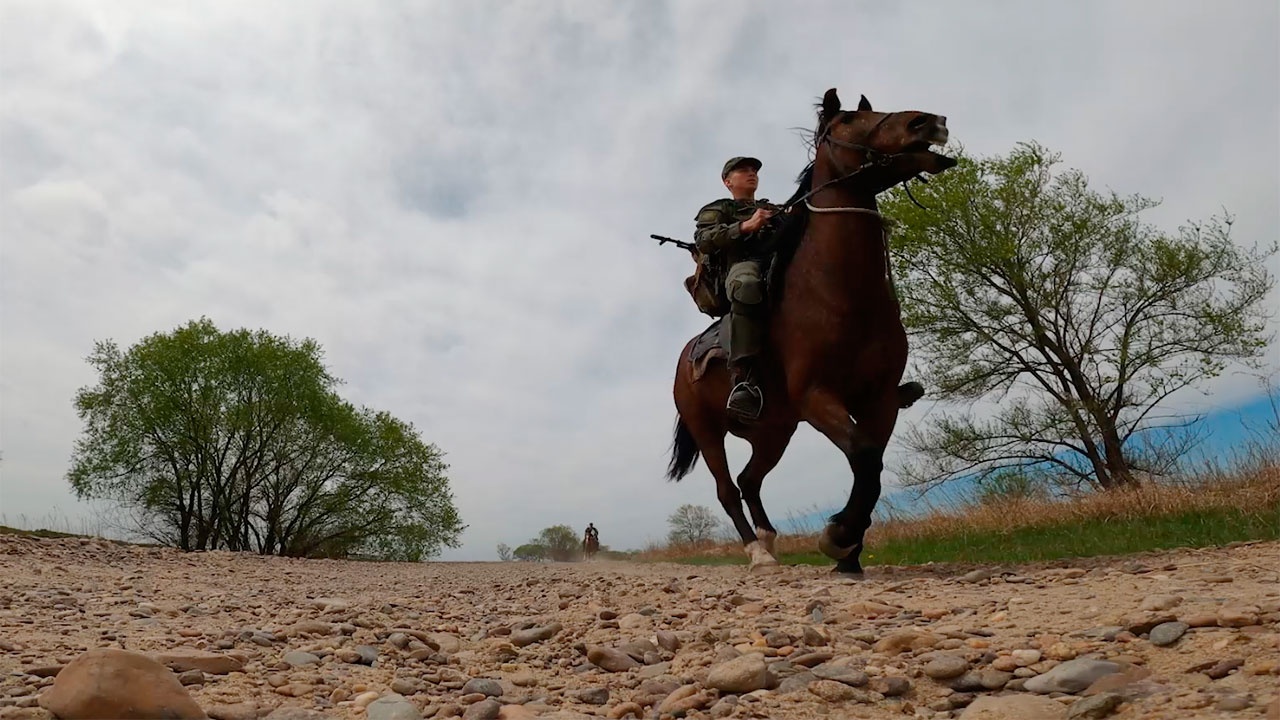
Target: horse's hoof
x,y
829,547
764,568
768,539
850,567
762,561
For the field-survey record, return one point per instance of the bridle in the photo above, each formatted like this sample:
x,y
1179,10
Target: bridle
x,y
873,159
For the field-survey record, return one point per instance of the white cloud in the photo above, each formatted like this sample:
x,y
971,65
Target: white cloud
x,y
455,199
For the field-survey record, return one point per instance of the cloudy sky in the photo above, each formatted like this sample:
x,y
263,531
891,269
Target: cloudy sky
x,y
454,198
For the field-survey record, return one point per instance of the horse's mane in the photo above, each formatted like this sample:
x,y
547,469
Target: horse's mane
x,y
789,233
793,226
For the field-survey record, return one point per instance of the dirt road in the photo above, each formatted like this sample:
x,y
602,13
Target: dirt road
x,y
1187,634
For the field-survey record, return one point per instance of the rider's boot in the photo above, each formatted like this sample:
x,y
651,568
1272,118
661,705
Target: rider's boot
x,y
746,401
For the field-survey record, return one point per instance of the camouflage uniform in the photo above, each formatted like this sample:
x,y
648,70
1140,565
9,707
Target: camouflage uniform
x,y
719,230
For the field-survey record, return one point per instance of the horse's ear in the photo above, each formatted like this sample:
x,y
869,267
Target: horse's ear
x,y
830,104
864,103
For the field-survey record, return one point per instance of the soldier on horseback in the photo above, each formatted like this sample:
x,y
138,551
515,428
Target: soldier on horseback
x,y
738,229
733,228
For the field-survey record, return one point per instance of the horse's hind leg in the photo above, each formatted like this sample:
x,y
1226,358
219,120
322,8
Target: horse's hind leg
x,y
765,454
731,500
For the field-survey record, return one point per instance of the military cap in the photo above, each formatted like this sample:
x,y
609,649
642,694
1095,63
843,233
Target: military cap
x,y
735,162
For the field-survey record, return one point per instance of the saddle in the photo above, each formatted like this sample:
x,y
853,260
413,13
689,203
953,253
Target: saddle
x,y
711,344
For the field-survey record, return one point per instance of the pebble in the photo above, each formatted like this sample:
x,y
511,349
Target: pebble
x,y
393,706
1095,707
611,659
593,695
1167,633
1232,703
743,674
522,638
1025,658
298,658
484,686
1160,602
1071,676
891,685
833,691
484,710
841,674
944,667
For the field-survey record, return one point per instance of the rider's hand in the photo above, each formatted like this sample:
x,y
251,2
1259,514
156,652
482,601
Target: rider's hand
x,y
756,221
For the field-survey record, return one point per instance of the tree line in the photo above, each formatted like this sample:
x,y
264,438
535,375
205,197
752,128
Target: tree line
x,y
689,526
237,440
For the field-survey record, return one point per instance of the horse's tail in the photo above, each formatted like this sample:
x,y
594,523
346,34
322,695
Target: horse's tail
x,y
684,451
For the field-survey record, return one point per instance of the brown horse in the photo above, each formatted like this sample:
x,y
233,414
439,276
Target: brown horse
x,y
837,348
590,546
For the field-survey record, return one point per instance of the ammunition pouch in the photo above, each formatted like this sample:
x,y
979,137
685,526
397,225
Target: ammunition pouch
x,y
706,286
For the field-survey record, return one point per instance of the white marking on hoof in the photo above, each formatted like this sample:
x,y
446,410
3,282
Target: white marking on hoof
x,y
762,561
768,538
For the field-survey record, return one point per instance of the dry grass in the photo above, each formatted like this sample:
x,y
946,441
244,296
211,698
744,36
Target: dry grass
x,y
1249,490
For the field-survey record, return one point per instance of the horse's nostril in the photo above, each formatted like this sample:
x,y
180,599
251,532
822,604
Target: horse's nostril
x,y
919,121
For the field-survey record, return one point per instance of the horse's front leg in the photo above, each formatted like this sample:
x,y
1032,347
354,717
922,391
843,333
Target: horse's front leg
x,y
863,448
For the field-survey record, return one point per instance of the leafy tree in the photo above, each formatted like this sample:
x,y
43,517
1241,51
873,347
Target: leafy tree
x,y
1025,285
504,552
561,542
531,552
237,440
692,525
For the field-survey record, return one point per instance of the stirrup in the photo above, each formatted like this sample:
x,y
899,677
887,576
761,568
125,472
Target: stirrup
x,y
741,413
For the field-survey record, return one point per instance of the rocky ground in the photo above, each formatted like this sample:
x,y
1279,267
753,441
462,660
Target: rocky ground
x,y
1186,634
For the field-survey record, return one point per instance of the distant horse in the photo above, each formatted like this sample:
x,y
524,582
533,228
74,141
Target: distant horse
x,y
837,347
590,546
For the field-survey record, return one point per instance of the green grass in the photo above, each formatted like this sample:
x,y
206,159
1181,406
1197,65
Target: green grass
x,y
1089,538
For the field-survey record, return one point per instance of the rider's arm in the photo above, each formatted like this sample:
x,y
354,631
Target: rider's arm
x,y
716,229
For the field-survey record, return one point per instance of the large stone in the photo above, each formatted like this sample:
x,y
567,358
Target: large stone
x,y
1014,707
1094,707
118,684
944,667
393,706
743,674
183,659
904,640
1072,676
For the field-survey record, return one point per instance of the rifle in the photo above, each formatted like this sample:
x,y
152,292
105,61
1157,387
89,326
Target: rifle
x,y
678,243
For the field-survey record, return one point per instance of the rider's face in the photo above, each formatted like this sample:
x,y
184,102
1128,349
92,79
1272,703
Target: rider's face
x,y
742,180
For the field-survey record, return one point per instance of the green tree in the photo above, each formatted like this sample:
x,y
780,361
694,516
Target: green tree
x,y
561,542
1024,284
531,552
504,552
237,440
692,525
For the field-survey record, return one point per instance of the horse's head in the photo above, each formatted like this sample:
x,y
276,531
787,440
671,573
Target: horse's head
x,y
879,150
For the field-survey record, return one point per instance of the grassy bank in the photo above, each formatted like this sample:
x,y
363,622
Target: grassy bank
x,y
1213,509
